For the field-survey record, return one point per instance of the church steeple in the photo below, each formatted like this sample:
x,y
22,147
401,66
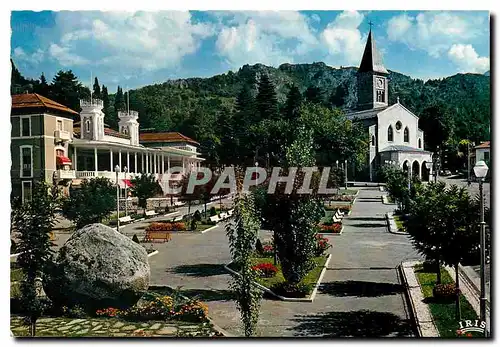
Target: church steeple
x,y
372,78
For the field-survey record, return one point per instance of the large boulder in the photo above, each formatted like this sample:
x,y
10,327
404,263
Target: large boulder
x,y
98,268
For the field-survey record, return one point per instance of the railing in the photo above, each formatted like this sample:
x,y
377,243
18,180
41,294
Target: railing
x,y
65,174
93,103
62,135
107,174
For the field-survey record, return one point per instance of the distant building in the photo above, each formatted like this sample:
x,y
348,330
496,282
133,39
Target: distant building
x,y
47,144
394,136
482,152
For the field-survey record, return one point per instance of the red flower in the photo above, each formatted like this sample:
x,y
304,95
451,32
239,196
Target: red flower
x,y
266,269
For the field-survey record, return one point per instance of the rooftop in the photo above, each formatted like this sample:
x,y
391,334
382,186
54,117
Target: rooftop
x,y
372,60
401,148
107,131
165,137
485,144
36,101
366,114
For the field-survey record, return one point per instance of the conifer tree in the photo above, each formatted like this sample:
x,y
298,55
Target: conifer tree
x,y
293,102
96,89
267,100
119,100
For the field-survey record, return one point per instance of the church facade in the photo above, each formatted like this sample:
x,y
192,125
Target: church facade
x,y
395,138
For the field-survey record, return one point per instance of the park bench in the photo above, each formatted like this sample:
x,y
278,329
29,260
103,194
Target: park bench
x,y
125,220
223,215
157,236
339,214
151,213
177,219
215,219
337,218
230,212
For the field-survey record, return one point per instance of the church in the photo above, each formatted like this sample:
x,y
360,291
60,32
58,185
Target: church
x,y
395,138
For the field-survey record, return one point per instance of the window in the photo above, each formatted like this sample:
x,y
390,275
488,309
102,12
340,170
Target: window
x,y
407,135
26,191
26,161
26,126
59,124
373,140
87,125
399,125
59,152
486,156
390,134
380,95
419,143
124,130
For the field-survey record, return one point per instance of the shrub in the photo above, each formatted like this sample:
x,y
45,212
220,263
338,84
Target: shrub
x,y
268,250
213,212
160,308
13,247
334,228
194,224
135,238
265,269
291,290
342,198
258,247
197,216
342,208
74,312
166,226
322,245
444,291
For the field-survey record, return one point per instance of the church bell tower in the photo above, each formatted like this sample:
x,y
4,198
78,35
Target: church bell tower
x,y
373,91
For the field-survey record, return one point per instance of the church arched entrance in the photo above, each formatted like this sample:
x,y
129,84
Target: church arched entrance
x,y
406,165
415,169
426,173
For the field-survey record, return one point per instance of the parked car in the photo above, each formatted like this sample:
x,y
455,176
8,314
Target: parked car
x,y
445,173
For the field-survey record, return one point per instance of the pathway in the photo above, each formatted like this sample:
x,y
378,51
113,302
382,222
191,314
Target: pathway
x,y
361,295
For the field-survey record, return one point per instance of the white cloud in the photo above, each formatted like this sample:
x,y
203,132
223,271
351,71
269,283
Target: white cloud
x,y
138,41
467,59
433,32
343,38
33,58
268,37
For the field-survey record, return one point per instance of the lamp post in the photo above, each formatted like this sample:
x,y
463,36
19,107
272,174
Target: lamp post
x,y
125,170
409,178
117,170
428,166
345,168
481,170
337,162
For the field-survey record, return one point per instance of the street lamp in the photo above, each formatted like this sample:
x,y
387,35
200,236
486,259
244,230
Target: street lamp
x,y
125,170
345,168
337,162
117,170
256,166
481,170
428,165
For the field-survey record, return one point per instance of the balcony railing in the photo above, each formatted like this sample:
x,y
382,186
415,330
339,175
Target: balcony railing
x,y
62,135
64,174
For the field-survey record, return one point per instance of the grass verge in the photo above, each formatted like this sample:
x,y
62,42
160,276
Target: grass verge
x,y
399,223
442,312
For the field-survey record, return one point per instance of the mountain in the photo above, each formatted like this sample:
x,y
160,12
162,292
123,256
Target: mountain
x,y
487,73
183,104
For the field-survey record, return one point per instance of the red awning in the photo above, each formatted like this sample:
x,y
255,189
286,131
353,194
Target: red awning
x,y
63,160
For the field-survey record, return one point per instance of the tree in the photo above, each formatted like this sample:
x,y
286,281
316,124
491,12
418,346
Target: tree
x,y
437,124
43,88
314,95
119,100
337,98
144,187
93,202
293,103
242,232
443,226
267,100
96,89
66,90
108,113
33,222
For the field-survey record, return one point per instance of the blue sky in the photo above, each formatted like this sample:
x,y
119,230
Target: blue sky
x,y
132,49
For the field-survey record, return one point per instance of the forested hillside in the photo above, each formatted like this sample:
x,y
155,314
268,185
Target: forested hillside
x,y
451,109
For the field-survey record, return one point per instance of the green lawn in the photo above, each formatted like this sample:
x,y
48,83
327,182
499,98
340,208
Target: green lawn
x,y
443,313
328,217
399,223
390,200
310,280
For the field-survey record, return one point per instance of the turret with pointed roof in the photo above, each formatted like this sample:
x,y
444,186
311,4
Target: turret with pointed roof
x,y
372,78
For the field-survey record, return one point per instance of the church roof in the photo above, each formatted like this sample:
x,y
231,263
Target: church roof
x,y
401,148
165,137
372,60
366,114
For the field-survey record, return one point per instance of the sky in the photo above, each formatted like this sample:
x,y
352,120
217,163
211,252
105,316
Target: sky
x,y
133,49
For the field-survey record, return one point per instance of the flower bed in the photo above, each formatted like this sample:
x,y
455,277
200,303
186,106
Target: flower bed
x,y
265,269
168,226
346,198
400,223
157,307
443,309
322,245
334,228
278,285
